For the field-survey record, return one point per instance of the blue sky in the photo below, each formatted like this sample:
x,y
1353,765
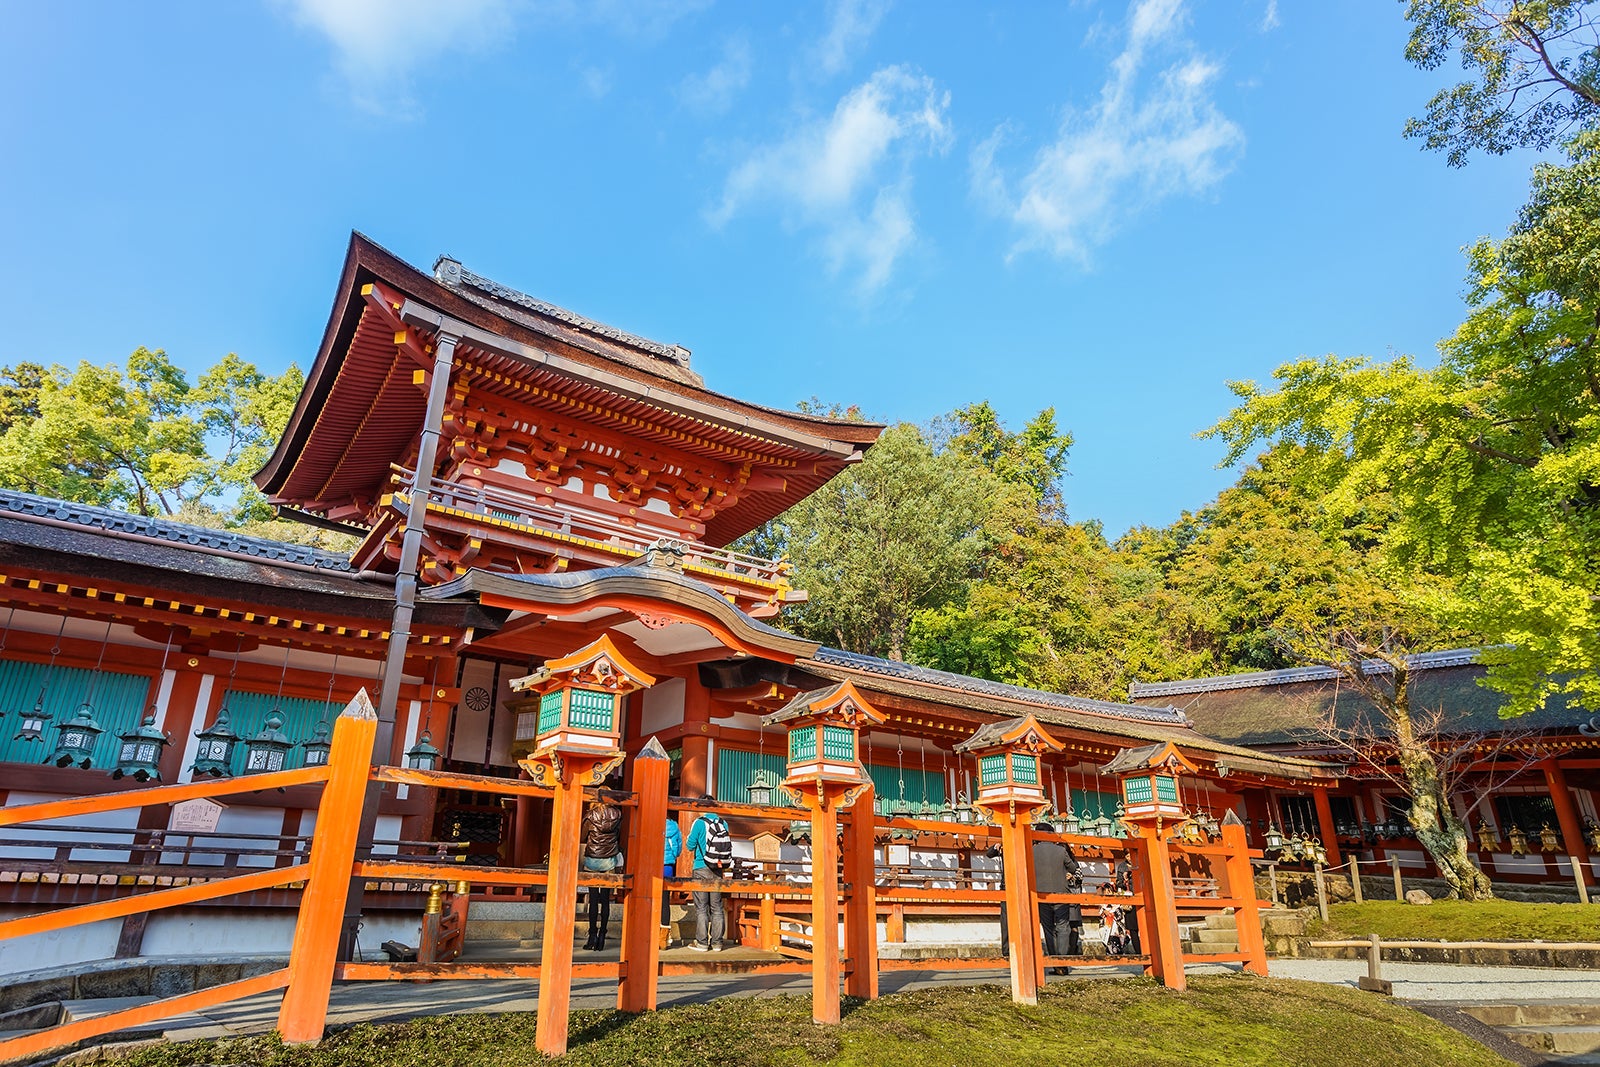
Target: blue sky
x,y
1105,207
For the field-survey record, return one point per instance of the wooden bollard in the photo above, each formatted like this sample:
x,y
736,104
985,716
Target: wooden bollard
x,y
1373,981
1399,887
1322,892
1577,876
1355,878
1272,880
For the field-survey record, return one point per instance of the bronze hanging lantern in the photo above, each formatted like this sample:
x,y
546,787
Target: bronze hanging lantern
x,y
1488,840
268,750
423,756
139,757
32,723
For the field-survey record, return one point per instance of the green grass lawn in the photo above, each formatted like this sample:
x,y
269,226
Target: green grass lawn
x,y
1455,920
1238,1021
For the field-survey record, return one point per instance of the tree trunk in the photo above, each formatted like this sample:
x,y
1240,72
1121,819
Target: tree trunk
x,y
1438,828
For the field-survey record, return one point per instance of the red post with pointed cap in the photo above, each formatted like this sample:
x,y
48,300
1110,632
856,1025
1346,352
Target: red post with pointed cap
x,y
825,775
576,744
1011,793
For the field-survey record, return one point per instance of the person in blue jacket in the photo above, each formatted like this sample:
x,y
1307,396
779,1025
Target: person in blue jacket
x,y
712,850
669,866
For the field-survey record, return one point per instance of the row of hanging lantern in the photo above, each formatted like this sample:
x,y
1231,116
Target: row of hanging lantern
x,y
1297,848
139,751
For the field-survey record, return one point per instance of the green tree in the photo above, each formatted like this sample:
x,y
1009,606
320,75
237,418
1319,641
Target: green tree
x,y
137,436
1034,459
900,532
1533,66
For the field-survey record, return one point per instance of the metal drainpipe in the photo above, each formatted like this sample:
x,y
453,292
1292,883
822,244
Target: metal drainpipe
x,y
405,599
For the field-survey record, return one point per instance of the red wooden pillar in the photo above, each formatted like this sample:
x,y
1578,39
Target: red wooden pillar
x,y
641,908
1330,835
824,906
560,916
861,908
1241,886
1159,930
1555,780
1022,916
304,1012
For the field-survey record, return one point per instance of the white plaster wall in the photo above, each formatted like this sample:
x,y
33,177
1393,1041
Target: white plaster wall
x,y
663,707
128,817
387,829
470,744
237,820
75,944
253,931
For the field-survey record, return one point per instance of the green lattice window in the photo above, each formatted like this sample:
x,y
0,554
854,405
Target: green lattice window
x,y
550,712
592,710
838,743
992,769
802,745
119,702
1166,789
1025,769
248,714
1136,790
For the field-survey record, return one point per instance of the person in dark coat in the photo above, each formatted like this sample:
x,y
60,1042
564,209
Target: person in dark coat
x,y
601,837
1056,870
1122,882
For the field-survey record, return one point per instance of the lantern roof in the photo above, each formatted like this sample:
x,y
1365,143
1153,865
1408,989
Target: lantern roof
x,y
840,701
1163,756
597,664
1021,732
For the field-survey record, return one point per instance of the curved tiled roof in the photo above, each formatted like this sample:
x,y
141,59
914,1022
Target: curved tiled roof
x,y
1423,661
1165,716
183,534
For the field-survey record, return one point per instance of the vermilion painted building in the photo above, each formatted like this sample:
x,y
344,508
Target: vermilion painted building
x,y
1535,777
520,480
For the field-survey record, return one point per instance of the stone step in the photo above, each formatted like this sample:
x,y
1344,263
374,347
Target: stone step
x,y
1222,921
1561,1039
1216,937
1538,1013
1213,948
186,1025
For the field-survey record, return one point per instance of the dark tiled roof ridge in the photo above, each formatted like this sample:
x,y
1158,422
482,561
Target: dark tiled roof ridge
x,y
112,521
1422,661
1168,716
449,271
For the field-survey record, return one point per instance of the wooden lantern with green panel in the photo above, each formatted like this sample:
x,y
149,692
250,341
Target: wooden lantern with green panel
x,y
580,705
1149,776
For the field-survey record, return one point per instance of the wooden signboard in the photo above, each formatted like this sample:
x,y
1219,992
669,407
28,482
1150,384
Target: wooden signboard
x,y
197,816
769,847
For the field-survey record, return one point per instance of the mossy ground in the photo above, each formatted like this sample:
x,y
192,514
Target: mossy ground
x,y
1455,920
1238,1021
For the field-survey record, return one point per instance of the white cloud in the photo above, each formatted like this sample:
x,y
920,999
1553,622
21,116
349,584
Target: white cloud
x,y
850,25
713,92
378,43
848,176
1269,20
1151,135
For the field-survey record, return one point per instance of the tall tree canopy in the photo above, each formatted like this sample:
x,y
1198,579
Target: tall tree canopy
x,y
1491,459
140,436
1533,66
